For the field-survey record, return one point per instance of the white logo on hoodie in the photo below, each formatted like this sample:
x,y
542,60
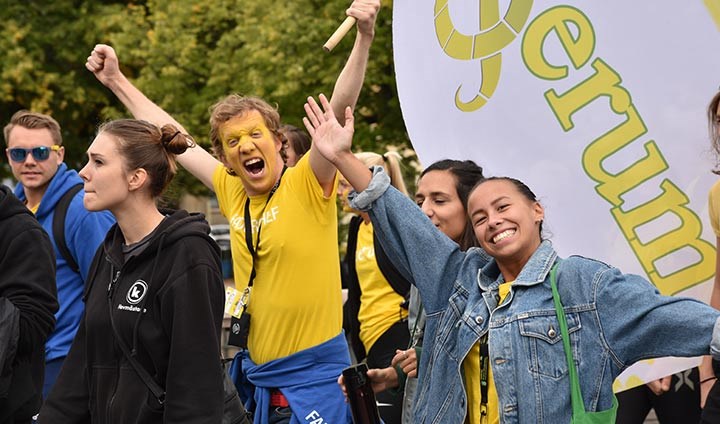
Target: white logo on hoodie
x,y
137,292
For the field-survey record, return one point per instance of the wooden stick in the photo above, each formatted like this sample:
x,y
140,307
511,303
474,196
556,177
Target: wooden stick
x,y
339,33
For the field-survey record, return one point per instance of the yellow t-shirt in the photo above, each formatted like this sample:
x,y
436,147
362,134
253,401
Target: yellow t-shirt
x,y
714,207
471,368
296,300
379,303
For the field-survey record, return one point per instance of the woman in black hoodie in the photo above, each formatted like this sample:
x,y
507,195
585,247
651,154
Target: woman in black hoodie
x,y
155,293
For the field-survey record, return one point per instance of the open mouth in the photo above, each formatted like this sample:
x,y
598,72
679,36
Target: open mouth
x,y
254,166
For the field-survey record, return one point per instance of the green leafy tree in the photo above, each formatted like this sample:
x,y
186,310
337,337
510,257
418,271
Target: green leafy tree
x,y
44,47
186,55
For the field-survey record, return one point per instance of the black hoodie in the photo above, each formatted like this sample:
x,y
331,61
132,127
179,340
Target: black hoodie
x,y
28,302
176,282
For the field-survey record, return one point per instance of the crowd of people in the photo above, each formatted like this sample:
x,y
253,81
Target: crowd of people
x,y
116,316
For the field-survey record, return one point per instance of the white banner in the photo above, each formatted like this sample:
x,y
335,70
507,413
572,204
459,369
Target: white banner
x,y
598,106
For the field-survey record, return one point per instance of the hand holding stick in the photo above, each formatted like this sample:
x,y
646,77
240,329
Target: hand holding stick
x,y
339,33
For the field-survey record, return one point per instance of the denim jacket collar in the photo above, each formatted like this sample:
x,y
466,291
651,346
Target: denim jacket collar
x,y
534,272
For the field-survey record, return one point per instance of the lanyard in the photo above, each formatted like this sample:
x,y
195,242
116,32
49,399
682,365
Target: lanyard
x,y
248,227
484,374
411,343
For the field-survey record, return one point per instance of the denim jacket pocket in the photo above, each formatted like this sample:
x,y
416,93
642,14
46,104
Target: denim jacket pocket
x,y
541,336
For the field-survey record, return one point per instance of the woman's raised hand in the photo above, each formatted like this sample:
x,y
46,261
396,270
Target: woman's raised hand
x,y
329,137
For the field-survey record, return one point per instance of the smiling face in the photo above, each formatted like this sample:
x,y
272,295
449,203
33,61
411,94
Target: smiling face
x,y
33,174
252,151
437,196
506,223
104,175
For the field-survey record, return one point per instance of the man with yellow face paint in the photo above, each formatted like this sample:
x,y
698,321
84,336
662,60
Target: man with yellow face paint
x,y
295,347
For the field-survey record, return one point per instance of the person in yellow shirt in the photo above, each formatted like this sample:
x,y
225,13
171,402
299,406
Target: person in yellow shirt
x,y
283,234
442,192
375,314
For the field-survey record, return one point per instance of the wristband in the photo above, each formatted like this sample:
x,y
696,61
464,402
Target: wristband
x,y
402,378
708,379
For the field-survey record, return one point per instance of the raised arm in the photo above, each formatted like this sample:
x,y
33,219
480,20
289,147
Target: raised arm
x,y
403,229
103,62
349,82
333,142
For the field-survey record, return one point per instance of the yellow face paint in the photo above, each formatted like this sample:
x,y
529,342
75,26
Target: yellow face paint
x,y
252,151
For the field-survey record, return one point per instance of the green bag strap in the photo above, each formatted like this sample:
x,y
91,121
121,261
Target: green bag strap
x,y
578,407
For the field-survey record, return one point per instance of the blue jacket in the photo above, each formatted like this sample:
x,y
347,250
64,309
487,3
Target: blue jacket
x,y
84,232
614,320
308,379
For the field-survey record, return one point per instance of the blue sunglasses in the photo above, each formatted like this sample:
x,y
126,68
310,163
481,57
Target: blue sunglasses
x,y
41,153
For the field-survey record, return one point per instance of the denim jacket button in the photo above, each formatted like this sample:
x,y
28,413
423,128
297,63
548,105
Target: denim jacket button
x,y
551,333
479,320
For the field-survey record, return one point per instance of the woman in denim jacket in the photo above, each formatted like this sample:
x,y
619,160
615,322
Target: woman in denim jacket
x,y
614,319
442,192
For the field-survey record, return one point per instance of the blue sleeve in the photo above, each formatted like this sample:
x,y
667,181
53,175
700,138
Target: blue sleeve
x,y
640,323
85,232
414,245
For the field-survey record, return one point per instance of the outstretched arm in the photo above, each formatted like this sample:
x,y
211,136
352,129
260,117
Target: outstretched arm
x,y
103,62
349,82
403,229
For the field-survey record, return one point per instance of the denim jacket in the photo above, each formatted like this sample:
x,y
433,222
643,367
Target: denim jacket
x,y
614,319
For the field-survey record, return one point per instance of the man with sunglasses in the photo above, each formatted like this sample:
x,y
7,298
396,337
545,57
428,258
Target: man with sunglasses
x,y
35,153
